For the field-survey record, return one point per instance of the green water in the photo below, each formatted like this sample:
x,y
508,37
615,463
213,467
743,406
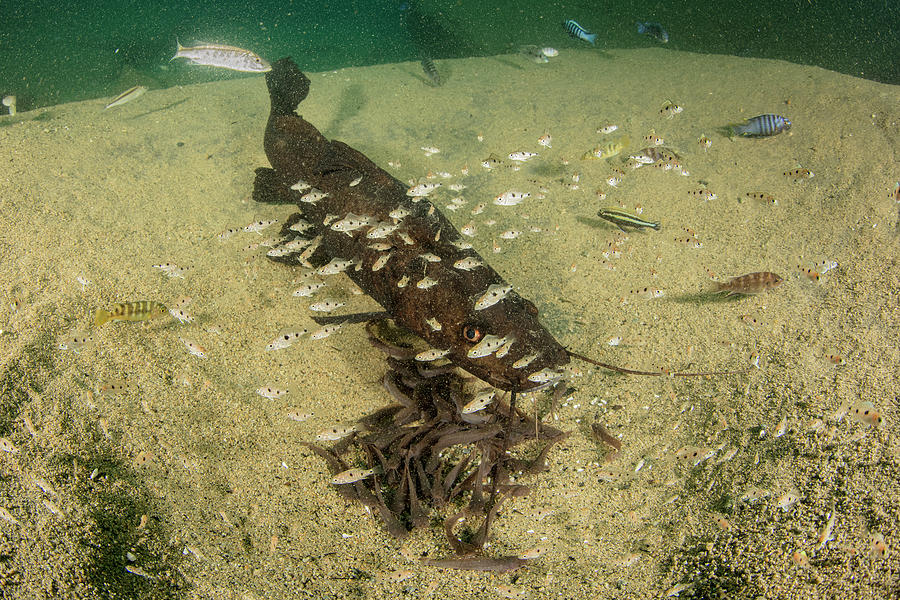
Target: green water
x,y
55,52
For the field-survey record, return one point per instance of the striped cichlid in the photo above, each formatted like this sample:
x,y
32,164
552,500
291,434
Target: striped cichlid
x,y
761,126
578,32
140,310
220,55
623,219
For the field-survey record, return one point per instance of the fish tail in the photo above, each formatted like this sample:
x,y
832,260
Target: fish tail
x,y
288,87
101,317
591,37
736,129
654,225
178,51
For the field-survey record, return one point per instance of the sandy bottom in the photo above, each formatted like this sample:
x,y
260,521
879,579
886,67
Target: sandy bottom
x,y
189,484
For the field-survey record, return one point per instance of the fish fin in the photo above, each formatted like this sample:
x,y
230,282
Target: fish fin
x,y
288,87
101,317
178,50
342,157
269,188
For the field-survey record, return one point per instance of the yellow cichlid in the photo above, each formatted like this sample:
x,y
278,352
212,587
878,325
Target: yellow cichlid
x,y
608,150
140,310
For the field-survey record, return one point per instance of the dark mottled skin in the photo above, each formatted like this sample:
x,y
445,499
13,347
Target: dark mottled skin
x,y
298,151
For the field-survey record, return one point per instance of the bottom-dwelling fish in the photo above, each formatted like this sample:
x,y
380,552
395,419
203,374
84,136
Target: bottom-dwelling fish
x,y
623,219
467,309
761,126
751,283
460,301
140,310
654,30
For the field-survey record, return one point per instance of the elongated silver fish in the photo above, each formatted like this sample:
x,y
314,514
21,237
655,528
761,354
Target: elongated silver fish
x,y
623,219
220,55
127,96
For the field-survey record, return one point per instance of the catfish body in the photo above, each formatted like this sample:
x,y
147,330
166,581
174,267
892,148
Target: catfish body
x,y
443,312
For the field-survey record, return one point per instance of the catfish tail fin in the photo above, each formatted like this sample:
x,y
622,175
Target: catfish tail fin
x,y
288,86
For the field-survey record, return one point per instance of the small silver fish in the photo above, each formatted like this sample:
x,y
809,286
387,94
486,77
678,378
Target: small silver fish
x,y
220,55
431,354
285,338
380,262
351,476
381,230
421,190
193,347
510,198
324,332
335,266
426,283
494,294
271,392
327,305
486,346
313,196
338,432
524,361
308,290
544,375
468,263
127,96
258,226
480,402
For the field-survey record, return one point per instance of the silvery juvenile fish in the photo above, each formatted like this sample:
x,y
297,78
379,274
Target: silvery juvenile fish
x,y
654,30
220,55
534,54
761,126
127,96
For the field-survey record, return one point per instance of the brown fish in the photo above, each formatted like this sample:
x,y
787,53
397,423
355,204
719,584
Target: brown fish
x,y
298,151
751,283
459,309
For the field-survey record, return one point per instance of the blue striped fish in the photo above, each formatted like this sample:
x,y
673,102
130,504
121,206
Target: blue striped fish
x,y
762,126
579,32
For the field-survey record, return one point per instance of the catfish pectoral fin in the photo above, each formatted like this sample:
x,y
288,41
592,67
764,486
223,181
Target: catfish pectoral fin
x,y
268,188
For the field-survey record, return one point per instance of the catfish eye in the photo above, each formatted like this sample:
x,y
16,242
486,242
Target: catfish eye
x,y
471,333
